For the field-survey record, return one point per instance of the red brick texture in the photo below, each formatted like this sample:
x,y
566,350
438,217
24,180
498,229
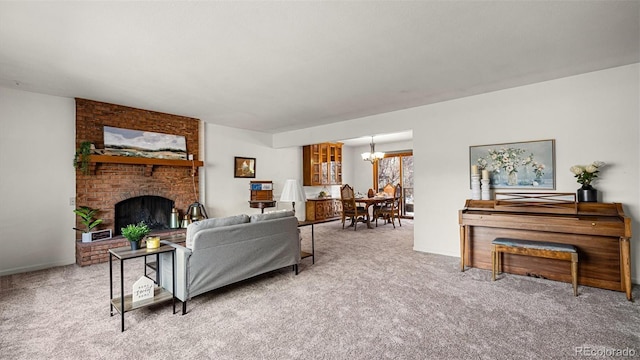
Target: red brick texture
x,y
98,251
113,183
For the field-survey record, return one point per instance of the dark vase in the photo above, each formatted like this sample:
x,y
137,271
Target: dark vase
x,y
587,194
135,245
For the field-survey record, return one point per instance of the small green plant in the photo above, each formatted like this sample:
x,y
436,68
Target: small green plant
x,y
135,232
81,158
87,214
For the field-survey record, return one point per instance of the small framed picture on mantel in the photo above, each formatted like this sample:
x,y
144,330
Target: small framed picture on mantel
x,y
244,167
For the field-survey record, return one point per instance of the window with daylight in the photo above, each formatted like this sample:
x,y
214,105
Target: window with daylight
x,y
396,168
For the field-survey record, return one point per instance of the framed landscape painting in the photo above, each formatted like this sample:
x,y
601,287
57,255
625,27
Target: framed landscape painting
x,y
147,144
244,167
520,165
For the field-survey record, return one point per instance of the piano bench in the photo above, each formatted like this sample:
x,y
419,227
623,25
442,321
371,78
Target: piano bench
x,y
542,249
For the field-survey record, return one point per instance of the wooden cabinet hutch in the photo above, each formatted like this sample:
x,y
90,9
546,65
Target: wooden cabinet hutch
x,y
322,164
322,209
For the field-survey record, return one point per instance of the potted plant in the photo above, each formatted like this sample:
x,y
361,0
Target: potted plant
x,y
585,175
81,158
87,214
135,233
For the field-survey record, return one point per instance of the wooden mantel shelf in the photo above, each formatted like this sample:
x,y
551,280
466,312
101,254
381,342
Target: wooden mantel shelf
x,y
148,162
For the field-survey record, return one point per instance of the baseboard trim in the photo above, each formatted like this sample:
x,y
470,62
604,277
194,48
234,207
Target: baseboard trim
x,y
36,267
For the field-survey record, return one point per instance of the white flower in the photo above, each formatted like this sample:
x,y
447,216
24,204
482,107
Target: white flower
x,y
576,170
591,169
585,175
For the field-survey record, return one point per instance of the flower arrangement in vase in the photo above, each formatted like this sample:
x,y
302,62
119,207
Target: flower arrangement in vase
x,y
585,175
510,160
538,170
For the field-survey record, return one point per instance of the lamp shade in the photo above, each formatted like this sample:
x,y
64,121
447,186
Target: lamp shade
x,y
292,192
373,155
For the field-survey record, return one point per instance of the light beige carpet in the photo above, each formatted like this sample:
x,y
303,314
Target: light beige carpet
x,y
368,296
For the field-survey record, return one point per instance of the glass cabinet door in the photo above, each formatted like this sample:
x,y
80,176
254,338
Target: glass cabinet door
x,y
324,163
316,165
335,164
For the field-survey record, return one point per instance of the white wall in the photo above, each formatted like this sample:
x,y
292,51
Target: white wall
x,y
592,116
37,179
225,195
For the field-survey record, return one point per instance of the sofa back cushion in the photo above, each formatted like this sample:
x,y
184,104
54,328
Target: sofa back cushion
x,y
271,215
193,228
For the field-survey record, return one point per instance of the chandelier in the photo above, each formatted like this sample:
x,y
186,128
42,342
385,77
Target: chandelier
x,y
373,155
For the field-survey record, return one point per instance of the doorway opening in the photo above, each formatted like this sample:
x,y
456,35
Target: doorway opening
x,y
396,168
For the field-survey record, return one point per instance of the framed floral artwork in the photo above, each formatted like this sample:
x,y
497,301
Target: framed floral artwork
x,y
519,165
244,167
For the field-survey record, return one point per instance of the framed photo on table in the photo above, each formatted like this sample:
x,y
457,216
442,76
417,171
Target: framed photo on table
x,y
519,165
244,167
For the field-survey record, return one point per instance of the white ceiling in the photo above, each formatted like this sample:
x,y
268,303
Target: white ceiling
x,y
277,66
378,138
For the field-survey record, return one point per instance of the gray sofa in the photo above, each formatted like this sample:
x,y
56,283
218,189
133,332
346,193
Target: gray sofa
x,y
223,251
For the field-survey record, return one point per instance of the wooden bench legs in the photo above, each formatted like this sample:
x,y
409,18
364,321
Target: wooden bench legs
x,y
574,273
528,248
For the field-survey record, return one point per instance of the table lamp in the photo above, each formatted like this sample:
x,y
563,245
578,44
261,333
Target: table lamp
x,y
292,192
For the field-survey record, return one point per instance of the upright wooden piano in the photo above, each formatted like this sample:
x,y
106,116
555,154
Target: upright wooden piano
x,y
600,231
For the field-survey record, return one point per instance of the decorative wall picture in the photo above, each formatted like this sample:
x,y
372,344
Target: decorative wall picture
x,y
523,165
147,144
244,167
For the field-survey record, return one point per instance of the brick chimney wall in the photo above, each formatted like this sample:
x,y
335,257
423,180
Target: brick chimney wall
x,y
113,183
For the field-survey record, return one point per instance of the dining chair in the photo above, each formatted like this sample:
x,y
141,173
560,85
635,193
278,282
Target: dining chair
x,y
350,208
391,210
388,189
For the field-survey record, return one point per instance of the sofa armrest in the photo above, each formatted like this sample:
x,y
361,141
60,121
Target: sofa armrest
x,y
182,255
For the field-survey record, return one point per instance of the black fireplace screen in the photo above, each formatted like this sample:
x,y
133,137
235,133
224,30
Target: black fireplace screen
x,y
152,210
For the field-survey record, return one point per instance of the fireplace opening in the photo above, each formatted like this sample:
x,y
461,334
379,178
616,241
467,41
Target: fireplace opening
x,y
152,210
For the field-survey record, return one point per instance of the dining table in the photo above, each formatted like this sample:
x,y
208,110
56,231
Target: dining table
x,y
371,201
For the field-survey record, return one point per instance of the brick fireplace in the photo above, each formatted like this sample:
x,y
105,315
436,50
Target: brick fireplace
x,y
111,183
